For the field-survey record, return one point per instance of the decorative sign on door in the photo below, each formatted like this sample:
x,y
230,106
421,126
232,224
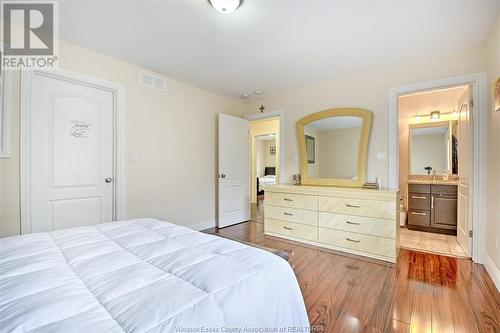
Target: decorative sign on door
x,y
80,128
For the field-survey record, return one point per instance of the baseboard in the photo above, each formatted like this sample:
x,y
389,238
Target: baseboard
x,y
203,225
492,271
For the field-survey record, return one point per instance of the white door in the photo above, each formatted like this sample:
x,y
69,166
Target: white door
x,y
464,164
71,154
234,195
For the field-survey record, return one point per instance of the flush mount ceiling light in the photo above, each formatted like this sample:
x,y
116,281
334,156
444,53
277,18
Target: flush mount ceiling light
x,y
225,6
435,115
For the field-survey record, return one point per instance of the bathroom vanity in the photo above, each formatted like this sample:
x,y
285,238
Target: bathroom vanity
x,y
432,206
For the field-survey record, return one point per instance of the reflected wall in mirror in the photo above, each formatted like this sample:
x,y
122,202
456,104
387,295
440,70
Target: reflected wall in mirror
x,y
433,148
333,147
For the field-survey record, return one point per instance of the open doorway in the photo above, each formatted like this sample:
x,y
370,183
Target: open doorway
x,y
265,161
435,135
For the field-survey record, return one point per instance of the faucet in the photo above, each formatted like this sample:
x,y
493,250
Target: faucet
x,y
433,174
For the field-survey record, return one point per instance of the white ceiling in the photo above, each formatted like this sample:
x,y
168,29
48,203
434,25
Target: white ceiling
x,y
273,45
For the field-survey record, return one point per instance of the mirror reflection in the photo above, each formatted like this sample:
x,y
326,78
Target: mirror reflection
x,y
434,149
332,146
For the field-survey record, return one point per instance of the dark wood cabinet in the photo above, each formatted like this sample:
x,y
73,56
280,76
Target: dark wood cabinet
x,y
432,207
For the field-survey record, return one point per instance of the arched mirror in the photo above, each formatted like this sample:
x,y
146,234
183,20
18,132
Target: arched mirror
x,y
333,147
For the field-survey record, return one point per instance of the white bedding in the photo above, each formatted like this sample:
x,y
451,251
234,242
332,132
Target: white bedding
x,y
142,276
266,180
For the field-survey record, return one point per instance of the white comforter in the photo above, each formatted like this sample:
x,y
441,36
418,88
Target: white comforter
x,y
143,276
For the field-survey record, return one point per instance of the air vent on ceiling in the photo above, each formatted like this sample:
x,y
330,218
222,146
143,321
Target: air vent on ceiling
x,y
153,81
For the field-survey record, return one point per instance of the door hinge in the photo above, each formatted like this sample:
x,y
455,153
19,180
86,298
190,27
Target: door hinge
x,y
471,103
470,233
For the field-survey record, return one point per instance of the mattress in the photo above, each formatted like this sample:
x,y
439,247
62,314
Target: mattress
x,y
143,275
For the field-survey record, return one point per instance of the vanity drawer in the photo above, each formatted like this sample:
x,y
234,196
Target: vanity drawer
x,y
291,229
291,200
419,201
358,224
303,216
419,217
419,188
359,207
364,243
444,189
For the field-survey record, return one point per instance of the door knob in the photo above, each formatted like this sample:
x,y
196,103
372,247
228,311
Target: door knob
x,y
222,175
108,180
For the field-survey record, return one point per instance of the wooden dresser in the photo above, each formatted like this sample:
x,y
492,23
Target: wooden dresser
x,y
353,220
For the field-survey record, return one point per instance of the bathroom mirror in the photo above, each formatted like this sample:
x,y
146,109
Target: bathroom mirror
x,y
333,147
433,148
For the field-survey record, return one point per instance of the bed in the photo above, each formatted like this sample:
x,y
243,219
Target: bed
x,y
142,275
269,178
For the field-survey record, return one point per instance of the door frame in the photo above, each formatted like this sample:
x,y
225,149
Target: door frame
x,y
118,91
273,114
477,204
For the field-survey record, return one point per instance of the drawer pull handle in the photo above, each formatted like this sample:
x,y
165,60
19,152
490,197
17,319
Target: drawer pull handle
x,y
352,240
286,199
417,197
287,228
352,206
353,223
415,213
288,214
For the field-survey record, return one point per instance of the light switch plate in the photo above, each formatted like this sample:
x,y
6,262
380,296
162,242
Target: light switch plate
x,y
134,155
381,156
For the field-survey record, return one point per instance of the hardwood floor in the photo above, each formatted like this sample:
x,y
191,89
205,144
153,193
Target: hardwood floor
x,y
423,293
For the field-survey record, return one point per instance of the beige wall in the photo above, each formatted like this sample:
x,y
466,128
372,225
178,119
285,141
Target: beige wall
x,y
368,90
264,157
428,150
338,152
493,199
168,176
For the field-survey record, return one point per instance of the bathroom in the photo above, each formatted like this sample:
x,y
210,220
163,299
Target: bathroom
x,y
434,150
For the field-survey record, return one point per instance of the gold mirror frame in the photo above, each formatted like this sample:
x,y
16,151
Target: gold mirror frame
x,y
362,153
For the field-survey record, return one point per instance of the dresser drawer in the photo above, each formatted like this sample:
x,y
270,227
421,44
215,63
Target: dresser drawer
x,y
419,217
291,200
303,216
359,207
364,243
291,229
419,201
358,224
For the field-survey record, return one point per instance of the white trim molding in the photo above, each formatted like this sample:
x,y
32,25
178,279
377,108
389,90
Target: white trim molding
x,y
477,205
6,114
281,115
118,92
492,271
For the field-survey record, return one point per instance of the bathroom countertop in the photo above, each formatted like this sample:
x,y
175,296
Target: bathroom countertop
x,y
433,182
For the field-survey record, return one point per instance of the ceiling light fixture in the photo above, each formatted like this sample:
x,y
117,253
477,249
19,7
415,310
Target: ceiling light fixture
x,y
435,115
226,6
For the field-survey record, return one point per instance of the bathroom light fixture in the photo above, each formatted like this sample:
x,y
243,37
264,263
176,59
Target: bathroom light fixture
x,y
258,92
245,96
435,115
225,6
